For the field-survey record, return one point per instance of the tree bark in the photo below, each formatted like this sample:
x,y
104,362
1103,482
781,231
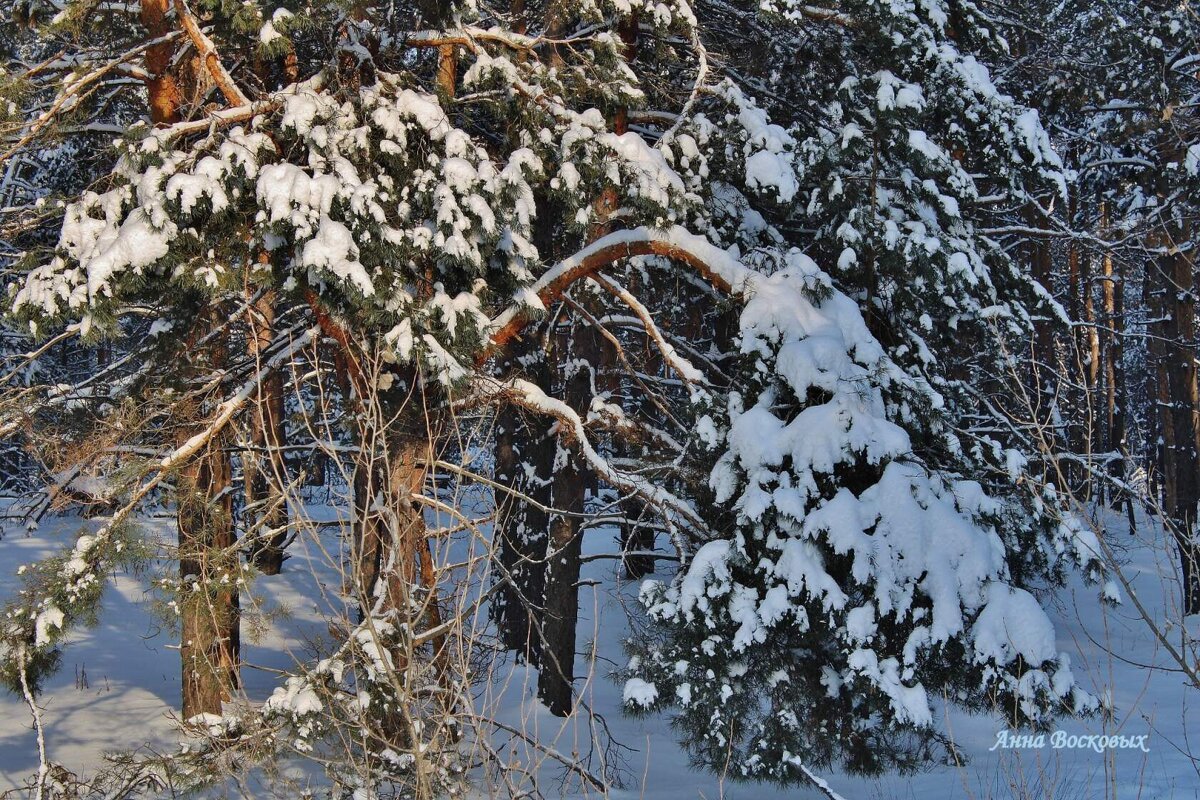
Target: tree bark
x,y
164,92
208,566
524,453
1184,467
1115,379
1179,397
561,613
1091,405
635,534
1042,373
366,535
209,569
264,470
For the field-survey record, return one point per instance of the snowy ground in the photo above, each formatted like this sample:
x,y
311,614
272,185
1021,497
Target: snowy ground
x,y
120,682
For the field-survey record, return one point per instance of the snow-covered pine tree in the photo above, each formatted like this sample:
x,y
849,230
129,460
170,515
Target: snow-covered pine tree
x,y
876,539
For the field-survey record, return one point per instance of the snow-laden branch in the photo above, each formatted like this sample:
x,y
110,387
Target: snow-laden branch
x,y
36,712
231,116
208,54
73,90
718,267
685,369
469,37
623,357
530,396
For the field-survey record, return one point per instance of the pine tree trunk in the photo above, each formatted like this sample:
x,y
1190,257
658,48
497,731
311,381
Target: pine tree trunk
x,y
1183,404
162,88
401,542
1091,376
1041,262
366,535
1076,434
635,535
1149,397
1115,380
561,612
209,567
516,9
211,640
264,470
579,351
524,452
524,460
1179,397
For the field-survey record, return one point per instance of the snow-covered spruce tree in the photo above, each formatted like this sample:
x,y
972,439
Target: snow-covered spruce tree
x,y
168,238
877,545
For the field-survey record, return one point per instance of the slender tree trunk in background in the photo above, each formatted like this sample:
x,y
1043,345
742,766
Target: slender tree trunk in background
x,y
1076,433
636,536
1179,397
1041,381
1149,397
264,470
1183,403
1159,347
1115,379
1091,407
561,613
1041,262
1106,399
